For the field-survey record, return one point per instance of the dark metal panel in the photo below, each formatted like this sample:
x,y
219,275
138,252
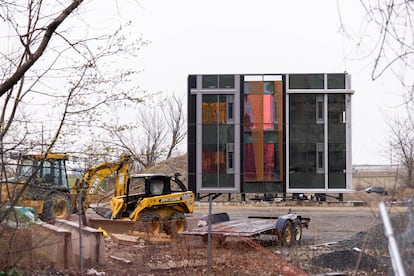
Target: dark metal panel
x,y
191,136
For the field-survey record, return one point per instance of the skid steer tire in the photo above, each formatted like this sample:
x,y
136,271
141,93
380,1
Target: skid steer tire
x,y
150,223
57,206
175,223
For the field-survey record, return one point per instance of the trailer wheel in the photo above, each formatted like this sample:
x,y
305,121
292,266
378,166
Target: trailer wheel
x,y
175,223
287,234
151,223
57,206
297,231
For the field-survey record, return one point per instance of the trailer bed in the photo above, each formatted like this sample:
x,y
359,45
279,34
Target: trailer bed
x,y
287,229
244,228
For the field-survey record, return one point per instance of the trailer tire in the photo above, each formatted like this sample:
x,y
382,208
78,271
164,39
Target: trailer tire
x,y
57,206
287,238
175,223
297,232
151,223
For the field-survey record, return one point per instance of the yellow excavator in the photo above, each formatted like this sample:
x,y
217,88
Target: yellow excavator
x,y
42,183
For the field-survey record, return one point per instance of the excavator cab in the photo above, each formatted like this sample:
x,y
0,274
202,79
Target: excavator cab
x,y
45,185
50,171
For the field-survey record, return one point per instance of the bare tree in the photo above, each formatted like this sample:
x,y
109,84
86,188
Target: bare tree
x,y
173,112
387,39
35,39
153,136
54,82
43,63
388,33
151,148
402,141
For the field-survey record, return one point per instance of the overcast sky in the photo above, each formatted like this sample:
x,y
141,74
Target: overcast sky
x,y
264,36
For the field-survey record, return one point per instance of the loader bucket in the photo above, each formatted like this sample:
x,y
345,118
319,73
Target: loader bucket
x,y
112,226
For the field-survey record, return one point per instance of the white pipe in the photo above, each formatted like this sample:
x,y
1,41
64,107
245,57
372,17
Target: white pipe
x,y
392,244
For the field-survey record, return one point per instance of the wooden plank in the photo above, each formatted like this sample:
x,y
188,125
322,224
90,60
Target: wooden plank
x,y
125,239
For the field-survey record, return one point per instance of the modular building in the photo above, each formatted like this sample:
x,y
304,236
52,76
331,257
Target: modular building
x,y
269,133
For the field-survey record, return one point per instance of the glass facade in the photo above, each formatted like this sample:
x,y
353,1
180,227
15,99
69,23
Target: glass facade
x,y
308,160
306,135
269,133
263,135
306,81
217,135
218,81
336,141
336,81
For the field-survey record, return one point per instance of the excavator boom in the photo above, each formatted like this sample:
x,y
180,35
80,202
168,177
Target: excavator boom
x,y
96,176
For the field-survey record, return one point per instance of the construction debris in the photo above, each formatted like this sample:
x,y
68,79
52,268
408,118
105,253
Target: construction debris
x,y
120,259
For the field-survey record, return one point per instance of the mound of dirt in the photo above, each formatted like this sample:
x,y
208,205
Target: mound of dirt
x,y
170,167
374,238
374,258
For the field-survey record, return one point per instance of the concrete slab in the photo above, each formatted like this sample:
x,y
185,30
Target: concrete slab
x,y
52,245
93,244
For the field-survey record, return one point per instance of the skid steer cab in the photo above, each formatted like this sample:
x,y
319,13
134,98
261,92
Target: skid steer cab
x,y
159,201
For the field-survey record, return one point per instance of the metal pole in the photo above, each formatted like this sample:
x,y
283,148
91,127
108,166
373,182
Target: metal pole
x,y
209,236
392,244
80,231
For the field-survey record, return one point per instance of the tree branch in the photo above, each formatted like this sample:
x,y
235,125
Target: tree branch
x,y
50,29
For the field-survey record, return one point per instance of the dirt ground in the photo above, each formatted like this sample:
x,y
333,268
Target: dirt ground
x,y
341,240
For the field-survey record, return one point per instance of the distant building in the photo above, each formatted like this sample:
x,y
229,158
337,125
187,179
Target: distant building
x,y
269,133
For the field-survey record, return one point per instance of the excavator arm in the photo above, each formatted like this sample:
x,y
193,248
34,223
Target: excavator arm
x,y
96,175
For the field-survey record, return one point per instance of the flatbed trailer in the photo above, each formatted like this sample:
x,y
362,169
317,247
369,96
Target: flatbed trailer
x,y
287,229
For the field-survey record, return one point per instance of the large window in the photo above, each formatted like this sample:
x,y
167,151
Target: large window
x,y
261,156
306,81
317,147
218,81
336,81
316,81
337,141
217,141
259,112
306,141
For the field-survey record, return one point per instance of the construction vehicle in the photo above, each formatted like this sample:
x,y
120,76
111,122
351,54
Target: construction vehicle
x,y
41,182
159,200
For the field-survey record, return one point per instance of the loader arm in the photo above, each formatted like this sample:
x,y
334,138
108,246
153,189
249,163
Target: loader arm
x,y
95,177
